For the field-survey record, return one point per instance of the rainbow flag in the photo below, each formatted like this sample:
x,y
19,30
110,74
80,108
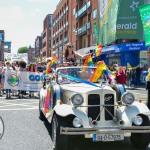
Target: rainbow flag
x,y
47,101
88,62
98,72
51,64
98,50
38,59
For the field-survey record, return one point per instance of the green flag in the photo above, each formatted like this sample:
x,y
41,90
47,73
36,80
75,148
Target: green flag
x,y
108,11
145,17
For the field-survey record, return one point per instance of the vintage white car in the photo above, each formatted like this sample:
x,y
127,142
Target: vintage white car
x,y
98,111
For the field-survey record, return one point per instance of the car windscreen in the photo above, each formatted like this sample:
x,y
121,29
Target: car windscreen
x,y
68,75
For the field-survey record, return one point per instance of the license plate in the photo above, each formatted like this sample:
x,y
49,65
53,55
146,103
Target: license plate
x,y
108,137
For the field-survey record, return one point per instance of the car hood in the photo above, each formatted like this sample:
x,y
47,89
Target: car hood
x,y
83,88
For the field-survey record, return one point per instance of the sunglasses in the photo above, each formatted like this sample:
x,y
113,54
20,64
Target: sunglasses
x,y
70,46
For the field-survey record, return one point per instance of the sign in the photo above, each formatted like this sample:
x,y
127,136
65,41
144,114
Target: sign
x,y
27,81
133,46
129,25
7,56
107,20
19,57
145,17
111,49
137,46
1,36
119,19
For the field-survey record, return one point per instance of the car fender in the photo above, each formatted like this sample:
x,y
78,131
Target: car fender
x,y
126,113
65,110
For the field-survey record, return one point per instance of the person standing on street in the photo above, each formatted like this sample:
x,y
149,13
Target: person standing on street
x,y
121,76
1,68
5,69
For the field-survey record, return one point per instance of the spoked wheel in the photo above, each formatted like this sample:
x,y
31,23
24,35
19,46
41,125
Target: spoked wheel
x,y
60,142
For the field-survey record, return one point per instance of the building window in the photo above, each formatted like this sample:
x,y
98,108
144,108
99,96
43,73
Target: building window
x,y
44,44
94,13
74,11
73,28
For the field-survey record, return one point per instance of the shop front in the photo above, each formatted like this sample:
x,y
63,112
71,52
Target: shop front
x,y
133,53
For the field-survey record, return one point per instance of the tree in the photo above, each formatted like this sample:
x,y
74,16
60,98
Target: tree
x,y
23,49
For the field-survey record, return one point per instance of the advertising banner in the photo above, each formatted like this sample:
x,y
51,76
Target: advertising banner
x,y
108,11
7,56
19,57
119,19
145,17
27,81
129,24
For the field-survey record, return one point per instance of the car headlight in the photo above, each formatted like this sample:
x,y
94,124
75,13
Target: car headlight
x,y
137,120
128,98
77,100
77,122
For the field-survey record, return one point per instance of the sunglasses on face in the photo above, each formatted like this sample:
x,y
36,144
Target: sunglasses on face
x,y
70,46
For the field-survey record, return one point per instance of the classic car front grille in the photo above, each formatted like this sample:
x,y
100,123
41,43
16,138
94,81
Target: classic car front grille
x,y
94,112
109,100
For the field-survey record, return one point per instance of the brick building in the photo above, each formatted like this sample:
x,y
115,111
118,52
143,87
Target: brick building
x,y
47,36
38,47
73,22
2,40
86,16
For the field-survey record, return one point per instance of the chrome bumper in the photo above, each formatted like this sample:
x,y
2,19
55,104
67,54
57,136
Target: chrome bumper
x,y
105,130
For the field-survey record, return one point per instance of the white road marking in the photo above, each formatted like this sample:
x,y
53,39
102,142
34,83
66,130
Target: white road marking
x,y
20,109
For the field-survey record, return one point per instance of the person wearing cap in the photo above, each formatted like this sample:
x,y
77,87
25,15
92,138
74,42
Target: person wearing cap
x,y
71,56
7,68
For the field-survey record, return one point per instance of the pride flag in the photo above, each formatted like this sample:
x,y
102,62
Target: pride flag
x,y
51,64
88,62
47,101
38,59
98,72
98,50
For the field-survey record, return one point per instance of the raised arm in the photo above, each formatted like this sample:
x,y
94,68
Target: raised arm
x,y
79,56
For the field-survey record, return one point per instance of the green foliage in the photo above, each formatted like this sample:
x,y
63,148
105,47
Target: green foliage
x,y
23,49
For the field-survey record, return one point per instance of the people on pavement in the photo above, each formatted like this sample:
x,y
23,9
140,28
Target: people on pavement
x,y
7,68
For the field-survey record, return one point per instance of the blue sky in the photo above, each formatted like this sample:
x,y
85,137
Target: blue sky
x,y
22,20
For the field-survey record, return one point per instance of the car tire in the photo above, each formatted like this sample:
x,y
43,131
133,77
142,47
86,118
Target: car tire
x,y
60,142
141,140
118,92
41,115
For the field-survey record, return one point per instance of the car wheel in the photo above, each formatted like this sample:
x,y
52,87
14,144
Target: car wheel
x,y
141,140
60,142
41,115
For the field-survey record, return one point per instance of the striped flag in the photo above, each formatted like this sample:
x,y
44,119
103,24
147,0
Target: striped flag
x,y
88,62
47,102
98,72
